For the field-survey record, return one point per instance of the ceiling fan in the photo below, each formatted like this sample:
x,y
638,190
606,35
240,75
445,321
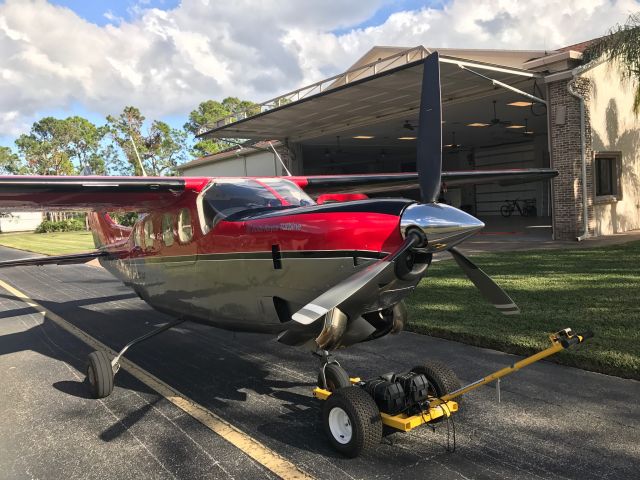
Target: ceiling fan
x,y
453,144
408,125
455,147
496,121
525,131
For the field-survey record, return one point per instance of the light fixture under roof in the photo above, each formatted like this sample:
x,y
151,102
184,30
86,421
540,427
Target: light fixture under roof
x,y
477,124
520,103
363,137
406,138
516,126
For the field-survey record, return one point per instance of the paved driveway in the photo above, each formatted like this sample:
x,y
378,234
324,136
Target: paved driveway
x,y
553,422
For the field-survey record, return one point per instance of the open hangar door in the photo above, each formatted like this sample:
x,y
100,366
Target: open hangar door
x,y
494,117
473,138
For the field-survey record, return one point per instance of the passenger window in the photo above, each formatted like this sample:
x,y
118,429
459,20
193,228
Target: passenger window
x,y
137,236
185,230
148,233
167,229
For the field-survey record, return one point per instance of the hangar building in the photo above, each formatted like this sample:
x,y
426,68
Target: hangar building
x,y
501,109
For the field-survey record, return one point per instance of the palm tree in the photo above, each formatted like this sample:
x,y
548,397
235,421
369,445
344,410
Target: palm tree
x,y
622,43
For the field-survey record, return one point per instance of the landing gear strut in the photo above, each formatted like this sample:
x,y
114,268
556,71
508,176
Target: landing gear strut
x,y
101,370
331,376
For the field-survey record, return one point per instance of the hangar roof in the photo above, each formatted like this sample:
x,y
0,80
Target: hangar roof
x,y
370,98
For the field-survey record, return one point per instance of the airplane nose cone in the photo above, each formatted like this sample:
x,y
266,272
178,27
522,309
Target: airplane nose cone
x,y
444,226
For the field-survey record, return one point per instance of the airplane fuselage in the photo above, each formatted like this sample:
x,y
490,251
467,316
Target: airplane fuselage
x,y
252,272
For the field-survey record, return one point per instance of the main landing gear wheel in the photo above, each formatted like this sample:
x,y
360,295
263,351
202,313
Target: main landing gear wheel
x,y
352,421
100,374
336,377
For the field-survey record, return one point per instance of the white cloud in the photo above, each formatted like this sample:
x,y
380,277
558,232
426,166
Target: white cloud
x,y
166,62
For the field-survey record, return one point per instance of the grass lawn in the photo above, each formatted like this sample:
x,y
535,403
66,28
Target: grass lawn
x,y
596,289
49,243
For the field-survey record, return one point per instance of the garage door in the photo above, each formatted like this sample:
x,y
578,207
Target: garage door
x,y
489,198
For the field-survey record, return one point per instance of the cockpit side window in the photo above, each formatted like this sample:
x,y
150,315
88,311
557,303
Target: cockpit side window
x,y
226,198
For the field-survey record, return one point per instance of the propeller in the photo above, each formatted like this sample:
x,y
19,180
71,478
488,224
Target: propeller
x,y
487,287
429,154
427,227
355,287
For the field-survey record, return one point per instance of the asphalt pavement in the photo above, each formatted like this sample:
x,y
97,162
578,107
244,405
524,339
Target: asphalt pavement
x,y
553,421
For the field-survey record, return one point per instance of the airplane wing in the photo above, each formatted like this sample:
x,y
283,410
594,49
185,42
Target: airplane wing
x,y
34,193
74,258
394,182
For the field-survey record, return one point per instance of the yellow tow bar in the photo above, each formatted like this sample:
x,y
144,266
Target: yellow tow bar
x,y
445,406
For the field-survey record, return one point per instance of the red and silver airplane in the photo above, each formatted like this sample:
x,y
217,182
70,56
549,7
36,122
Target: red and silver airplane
x,y
260,255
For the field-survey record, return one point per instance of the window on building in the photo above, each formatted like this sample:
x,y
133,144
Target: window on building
x,y
607,175
185,230
167,229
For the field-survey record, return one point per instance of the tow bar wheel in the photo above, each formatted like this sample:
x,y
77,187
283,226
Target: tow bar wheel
x,y
352,421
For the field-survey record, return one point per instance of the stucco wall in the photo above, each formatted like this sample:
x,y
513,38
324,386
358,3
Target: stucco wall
x,y
614,127
20,221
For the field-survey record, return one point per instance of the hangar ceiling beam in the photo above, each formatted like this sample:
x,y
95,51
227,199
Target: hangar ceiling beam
x,y
498,83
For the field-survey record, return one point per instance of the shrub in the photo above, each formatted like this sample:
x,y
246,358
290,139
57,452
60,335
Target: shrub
x,y
70,225
126,219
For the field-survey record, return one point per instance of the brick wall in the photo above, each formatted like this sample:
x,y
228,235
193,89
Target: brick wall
x,y
566,158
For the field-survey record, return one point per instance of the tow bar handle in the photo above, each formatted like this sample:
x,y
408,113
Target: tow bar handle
x,y
559,341
574,338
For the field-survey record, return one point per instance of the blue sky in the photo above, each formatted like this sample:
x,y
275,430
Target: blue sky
x,y
114,12
388,8
167,56
100,11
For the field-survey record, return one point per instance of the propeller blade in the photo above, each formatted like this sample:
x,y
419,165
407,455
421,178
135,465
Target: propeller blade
x,y
360,285
488,288
429,154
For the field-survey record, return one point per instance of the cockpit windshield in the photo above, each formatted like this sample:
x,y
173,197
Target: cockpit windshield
x,y
234,197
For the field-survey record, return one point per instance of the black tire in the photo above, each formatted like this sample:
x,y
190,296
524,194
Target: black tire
x,y
442,379
100,374
364,429
336,377
506,210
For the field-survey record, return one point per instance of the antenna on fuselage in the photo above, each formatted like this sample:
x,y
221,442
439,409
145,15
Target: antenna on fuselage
x,y
280,159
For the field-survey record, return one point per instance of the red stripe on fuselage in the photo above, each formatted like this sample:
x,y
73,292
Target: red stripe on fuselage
x,y
320,231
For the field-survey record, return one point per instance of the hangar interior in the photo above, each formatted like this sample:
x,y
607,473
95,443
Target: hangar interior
x,y
493,117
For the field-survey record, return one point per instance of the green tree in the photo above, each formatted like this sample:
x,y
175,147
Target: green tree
x,y
43,150
63,147
10,162
126,131
156,153
85,145
205,116
622,44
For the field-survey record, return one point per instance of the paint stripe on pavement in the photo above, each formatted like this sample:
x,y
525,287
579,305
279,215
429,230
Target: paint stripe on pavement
x,y
247,444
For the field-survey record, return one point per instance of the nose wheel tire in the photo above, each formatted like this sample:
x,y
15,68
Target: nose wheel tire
x,y
336,377
352,421
100,374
